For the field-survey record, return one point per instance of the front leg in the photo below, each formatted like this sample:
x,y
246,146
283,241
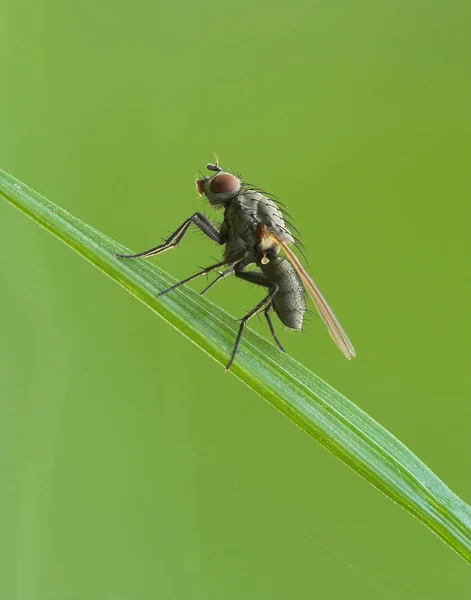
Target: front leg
x,y
198,219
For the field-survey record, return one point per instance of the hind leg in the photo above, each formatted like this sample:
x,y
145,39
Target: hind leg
x,y
258,279
270,325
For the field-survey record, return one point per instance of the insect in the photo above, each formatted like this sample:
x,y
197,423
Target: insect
x,y
254,231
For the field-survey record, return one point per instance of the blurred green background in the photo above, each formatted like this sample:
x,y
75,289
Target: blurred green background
x,y
133,466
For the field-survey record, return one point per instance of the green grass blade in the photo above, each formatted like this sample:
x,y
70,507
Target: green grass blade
x,y
316,407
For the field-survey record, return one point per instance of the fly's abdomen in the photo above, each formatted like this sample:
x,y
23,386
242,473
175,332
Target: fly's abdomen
x,y
289,303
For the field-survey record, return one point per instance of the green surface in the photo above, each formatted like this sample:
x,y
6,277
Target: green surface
x,y
299,394
125,471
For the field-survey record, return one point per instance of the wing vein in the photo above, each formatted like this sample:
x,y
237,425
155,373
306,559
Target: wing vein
x,y
334,328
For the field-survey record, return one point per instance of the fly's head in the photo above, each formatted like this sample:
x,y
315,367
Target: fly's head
x,y
220,188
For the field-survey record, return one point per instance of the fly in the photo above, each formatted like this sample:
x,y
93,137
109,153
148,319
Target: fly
x,y
254,231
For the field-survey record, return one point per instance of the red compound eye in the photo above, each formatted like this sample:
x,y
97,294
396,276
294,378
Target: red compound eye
x,y
224,183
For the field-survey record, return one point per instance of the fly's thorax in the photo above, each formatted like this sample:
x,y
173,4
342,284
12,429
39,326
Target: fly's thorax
x,y
266,212
244,216
239,229
289,303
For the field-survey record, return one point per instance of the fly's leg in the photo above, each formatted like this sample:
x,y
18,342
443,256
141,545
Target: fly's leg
x,y
222,275
197,219
270,325
199,274
258,279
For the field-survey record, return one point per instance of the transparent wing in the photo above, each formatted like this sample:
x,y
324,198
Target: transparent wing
x,y
327,314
